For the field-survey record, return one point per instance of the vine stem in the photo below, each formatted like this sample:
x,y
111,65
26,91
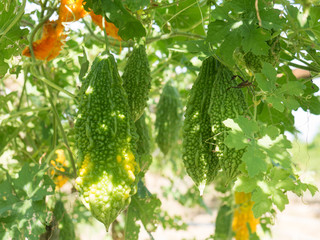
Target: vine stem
x,y
15,20
62,130
23,111
175,34
182,10
105,34
257,10
91,31
148,40
23,88
34,31
309,68
165,5
53,85
255,108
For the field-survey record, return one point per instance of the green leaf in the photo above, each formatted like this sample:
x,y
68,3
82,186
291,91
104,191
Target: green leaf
x,y
221,12
293,88
276,102
144,207
254,39
183,16
129,26
35,187
231,123
267,79
228,46
291,103
66,226
236,140
270,19
272,131
84,63
11,36
270,72
312,189
264,83
218,31
262,203
245,184
255,160
22,206
135,5
311,103
249,127
3,66
132,229
195,46
148,208
279,199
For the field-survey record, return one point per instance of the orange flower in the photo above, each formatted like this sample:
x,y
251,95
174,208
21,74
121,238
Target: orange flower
x,y
59,164
71,10
111,29
50,45
243,215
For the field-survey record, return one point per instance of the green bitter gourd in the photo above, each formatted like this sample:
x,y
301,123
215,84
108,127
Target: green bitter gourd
x,y
168,118
143,144
107,165
200,162
227,101
137,81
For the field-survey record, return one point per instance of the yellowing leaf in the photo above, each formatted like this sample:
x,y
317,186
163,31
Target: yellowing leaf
x,y
50,45
111,29
71,10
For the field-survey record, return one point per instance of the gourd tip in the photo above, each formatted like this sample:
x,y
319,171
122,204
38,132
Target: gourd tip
x,y
201,187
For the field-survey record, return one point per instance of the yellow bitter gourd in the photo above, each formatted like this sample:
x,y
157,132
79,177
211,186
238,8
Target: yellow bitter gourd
x,y
168,118
243,216
226,102
198,157
107,166
137,81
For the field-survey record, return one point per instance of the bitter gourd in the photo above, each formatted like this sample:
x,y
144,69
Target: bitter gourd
x,y
168,118
107,165
200,162
226,101
143,144
223,229
243,216
137,81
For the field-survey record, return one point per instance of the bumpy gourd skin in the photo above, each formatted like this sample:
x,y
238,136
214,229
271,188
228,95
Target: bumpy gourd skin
x,y
107,167
137,81
168,118
200,162
226,102
143,144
